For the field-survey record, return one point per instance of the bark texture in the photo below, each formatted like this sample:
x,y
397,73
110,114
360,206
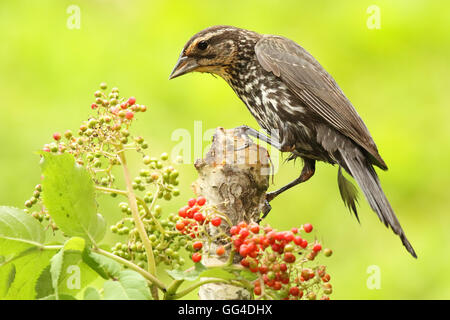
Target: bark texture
x,y
234,176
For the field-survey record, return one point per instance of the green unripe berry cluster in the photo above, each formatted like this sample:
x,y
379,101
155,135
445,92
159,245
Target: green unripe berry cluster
x,y
35,198
95,147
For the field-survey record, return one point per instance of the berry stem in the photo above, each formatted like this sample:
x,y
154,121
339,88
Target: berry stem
x,y
132,266
261,283
141,201
172,289
137,219
148,212
230,258
195,286
110,190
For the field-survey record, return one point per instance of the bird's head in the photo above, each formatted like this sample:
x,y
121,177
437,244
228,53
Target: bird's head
x,y
212,50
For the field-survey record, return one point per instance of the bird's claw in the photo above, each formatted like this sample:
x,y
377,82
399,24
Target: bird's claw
x,y
265,210
242,132
270,196
244,146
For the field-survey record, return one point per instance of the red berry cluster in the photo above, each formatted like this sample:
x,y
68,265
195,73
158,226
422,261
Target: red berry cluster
x,y
127,108
279,258
248,241
193,218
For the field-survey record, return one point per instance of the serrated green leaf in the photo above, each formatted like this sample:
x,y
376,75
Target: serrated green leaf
x,y
7,276
70,275
190,275
104,266
28,268
19,255
56,263
91,294
129,285
74,244
43,285
21,238
69,196
19,231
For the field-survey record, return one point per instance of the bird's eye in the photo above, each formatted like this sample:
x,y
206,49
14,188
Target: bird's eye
x,y
202,45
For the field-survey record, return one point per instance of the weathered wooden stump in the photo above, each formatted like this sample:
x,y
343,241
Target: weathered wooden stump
x,y
234,176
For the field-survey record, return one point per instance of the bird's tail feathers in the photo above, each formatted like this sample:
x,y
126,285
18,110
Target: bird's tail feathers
x,y
368,181
349,193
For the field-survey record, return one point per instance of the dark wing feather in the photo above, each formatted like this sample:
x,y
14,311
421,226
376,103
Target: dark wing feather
x,y
305,77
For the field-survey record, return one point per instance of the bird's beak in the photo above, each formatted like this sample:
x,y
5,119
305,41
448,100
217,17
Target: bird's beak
x,y
184,65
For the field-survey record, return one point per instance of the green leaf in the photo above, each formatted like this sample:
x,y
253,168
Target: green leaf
x,y
7,276
97,230
130,285
43,285
55,269
71,274
190,275
21,237
28,269
69,196
19,231
76,276
68,256
75,244
91,294
218,272
248,275
104,266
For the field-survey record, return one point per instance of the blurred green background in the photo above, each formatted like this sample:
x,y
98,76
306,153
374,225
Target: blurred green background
x,y
397,77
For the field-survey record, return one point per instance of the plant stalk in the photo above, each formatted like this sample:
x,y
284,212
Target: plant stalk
x,y
132,266
137,220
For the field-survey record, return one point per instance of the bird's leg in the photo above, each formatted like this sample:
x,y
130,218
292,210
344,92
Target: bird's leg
x,y
246,131
265,210
307,172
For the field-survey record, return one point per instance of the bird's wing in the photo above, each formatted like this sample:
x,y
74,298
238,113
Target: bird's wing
x,y
306,78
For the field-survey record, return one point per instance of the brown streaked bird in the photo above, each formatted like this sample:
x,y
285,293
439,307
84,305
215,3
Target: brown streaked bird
x,y
299,105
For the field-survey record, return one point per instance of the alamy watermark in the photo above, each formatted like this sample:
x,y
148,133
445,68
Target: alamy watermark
x,y
374,18
74,19
374,279
74,278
